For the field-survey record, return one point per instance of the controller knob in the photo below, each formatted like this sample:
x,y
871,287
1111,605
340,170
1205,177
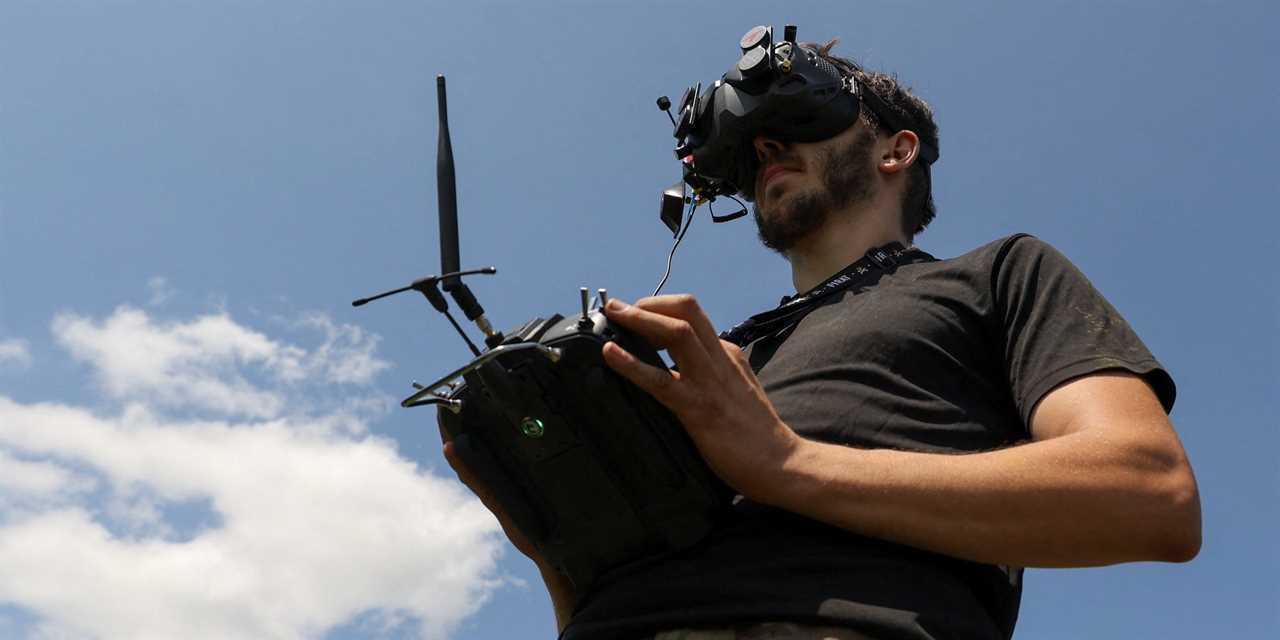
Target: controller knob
x,y
754,61
755,37
584,321
789,33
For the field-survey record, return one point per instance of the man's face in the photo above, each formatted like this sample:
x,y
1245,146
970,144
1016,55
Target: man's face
x,y
799,185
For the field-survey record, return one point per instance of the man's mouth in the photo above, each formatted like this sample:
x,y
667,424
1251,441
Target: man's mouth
x,y
770,173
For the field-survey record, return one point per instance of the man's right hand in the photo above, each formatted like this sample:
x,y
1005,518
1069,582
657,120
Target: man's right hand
x,y
563,595
517,538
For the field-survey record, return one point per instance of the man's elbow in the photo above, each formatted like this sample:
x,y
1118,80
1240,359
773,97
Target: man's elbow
x,y
1178,539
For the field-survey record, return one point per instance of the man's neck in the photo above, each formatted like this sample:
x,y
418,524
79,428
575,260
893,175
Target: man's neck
x,y
842,240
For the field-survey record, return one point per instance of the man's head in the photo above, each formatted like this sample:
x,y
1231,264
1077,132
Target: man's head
x,y
800,184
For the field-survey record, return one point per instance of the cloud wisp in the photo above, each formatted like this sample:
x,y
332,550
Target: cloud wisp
x,y
205,506
14,354
160,291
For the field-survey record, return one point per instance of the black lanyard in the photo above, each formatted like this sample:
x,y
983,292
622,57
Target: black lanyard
x,y
792,309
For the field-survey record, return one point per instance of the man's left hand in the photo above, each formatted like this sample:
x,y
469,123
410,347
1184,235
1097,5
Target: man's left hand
x,y
715,394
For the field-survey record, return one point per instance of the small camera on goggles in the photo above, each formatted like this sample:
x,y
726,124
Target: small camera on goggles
x,y
777,89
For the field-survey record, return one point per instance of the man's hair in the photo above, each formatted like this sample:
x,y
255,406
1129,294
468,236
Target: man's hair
x,y
917,200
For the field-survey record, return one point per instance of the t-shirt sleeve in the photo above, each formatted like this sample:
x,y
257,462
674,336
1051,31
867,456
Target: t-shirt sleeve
x,y
1056,326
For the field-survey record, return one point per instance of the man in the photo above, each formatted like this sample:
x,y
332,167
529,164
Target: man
x,y
920,434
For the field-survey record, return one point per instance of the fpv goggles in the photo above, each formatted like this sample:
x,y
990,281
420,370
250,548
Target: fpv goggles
x,y
777,89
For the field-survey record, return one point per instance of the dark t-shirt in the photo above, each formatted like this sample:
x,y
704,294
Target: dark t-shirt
x,y
944,356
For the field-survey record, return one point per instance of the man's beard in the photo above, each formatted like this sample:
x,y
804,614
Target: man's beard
x,y
847,178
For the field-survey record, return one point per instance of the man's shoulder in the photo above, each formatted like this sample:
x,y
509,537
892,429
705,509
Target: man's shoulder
x,y
1002,246
1016,248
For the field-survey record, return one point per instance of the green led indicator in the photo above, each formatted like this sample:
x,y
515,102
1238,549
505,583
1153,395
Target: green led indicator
x,y
532,427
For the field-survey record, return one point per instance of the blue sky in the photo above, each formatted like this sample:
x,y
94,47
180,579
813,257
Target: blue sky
x,y
197,432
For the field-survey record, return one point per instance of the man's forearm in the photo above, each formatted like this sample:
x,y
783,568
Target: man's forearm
x,y
563,596
1077,500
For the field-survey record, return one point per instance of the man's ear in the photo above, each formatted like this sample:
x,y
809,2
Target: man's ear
x,y
900,152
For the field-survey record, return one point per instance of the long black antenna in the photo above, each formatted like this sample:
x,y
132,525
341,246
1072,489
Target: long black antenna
x,y
447,194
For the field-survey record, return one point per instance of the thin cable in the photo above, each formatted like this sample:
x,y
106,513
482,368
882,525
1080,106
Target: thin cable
x,y
462,333
693,209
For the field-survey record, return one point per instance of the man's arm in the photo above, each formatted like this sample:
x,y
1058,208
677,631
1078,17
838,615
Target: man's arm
x,y
1104,480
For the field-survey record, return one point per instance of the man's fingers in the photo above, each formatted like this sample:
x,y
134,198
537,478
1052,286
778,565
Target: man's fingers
x,y
657,382
678,336
737,356
684,307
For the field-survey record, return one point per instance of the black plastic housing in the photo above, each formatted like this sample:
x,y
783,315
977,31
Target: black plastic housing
x,y
594,471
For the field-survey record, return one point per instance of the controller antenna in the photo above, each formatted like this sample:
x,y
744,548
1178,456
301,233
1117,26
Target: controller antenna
x,y
427,287
447,192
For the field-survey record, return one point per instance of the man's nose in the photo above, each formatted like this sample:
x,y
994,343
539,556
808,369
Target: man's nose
x,y
766,147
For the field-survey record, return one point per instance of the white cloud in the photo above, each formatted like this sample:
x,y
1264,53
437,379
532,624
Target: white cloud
x,y
208,363
32,484
160,290
14,353
313,522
